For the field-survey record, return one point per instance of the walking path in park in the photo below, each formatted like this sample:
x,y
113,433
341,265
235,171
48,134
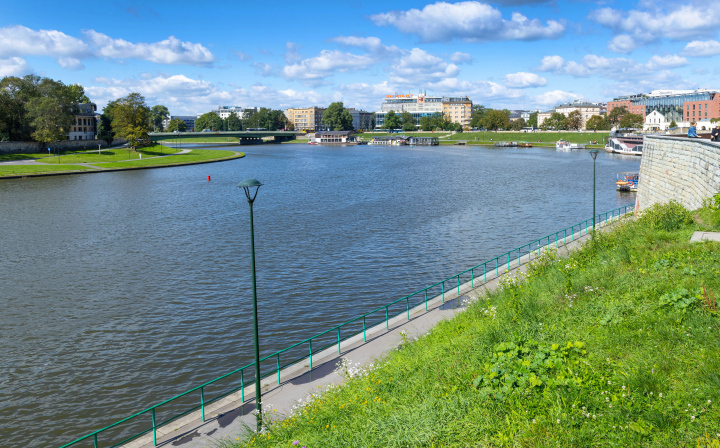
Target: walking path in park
x,y
229,418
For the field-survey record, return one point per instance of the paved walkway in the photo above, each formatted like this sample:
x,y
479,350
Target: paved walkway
x,y
228,418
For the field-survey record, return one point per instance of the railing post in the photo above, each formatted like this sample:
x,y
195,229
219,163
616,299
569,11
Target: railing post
x,y
339,352
485,272
443,291
508,268
519,257
458,284
242,386
154,428
364,333
310,342
95,441
202,402
472,277
277,363
407,307
497,266
387,322
426,300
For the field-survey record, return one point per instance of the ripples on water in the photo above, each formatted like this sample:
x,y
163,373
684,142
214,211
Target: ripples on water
x,y
123,289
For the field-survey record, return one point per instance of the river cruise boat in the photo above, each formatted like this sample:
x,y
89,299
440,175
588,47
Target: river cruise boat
x,y
388,141
622,143
565,145
506,144
627,181
525,145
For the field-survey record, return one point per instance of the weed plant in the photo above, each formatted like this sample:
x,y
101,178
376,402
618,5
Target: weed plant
x,y
616,345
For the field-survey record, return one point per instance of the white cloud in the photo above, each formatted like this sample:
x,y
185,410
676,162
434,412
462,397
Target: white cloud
x,y
699,48
326,64
243,56
13,67
522,80
263,69
21,41
622,43
551,63
419,66
461,58
471,21
554,97
664,62
686,21
371,44
168,51
292,52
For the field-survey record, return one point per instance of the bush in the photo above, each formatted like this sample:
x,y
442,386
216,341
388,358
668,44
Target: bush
x,y
669,217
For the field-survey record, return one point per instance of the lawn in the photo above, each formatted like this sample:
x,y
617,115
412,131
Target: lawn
x,y
616,345
111,155
207,139
196,155
14,170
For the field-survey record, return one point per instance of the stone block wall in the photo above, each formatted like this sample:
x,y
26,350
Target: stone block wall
x,y
67,145
686,170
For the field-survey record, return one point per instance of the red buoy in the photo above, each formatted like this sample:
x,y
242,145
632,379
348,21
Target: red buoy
x,y
208,177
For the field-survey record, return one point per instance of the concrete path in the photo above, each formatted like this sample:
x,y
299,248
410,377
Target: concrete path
x,y
705,236
229,417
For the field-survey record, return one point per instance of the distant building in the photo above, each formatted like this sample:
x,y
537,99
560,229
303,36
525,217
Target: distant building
x,y
586,109
84,125
361,119
226,111
307,119
455,109
337,137
700,105
188,119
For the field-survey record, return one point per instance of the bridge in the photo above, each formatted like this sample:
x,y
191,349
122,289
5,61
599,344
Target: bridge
x,y
243,137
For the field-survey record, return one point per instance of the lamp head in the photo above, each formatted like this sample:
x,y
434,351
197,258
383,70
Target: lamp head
x,y
248,185
594,153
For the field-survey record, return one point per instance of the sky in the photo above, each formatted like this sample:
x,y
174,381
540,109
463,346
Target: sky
x,y
515,54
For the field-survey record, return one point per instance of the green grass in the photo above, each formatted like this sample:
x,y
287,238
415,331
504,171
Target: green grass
x,y
616,345
30,156
13,170
204,140
197,155
111,155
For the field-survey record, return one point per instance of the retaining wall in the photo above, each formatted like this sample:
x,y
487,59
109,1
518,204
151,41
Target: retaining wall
x,y
67,145
686,170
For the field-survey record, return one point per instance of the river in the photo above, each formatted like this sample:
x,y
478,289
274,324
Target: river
x,y
123,289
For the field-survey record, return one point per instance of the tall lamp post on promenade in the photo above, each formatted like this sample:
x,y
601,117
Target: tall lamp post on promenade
x,y
251,187
593,153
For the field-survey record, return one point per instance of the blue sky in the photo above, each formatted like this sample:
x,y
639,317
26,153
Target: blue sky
x,y
525,54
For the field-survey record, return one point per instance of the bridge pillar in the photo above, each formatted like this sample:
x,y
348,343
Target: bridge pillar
x,y
251,141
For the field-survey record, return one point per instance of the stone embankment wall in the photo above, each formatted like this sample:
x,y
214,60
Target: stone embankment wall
x,y
686,170
68,145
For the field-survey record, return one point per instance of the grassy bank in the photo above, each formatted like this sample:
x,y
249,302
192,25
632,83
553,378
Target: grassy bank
x,y
196,155
616,345
207,139
19,170
110,155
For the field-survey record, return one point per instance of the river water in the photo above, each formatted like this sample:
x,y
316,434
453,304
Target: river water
x,y
120,290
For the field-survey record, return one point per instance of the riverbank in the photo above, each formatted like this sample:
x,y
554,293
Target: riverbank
x,y
615,345
115,159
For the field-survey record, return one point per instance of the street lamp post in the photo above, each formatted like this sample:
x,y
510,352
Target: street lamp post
x,y
251,187
594,153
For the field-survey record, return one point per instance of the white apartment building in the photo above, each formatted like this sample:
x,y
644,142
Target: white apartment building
x,y
225,111
84,125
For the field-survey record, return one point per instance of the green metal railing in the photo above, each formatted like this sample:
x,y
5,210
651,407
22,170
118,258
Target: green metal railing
x,y
480,272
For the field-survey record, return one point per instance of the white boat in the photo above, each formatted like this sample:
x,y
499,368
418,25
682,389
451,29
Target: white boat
x,y
565,145
628,144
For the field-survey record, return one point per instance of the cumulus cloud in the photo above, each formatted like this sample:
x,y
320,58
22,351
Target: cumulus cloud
x,y
461,58
327,63
21,41
243,56
371,44
622,44
13,67
470,21
700,48
684,22
523,80
664,62
420,66
551,63
168,51
612,68
554,97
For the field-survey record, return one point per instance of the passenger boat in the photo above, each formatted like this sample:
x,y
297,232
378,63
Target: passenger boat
x,y
506,144
628,144
525,145
565,145
627,181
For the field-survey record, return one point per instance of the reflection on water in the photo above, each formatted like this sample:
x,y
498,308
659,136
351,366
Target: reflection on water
x,y
123,289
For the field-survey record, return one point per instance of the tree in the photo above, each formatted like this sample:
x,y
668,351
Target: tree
x,y
158,113
496,119
518,124
392,120
673,124
131,118
209,120
177,124
408,121
373,121
233,123
105,131
555,122
632,121
77,94
616,115
50,118
532,121
478,112
337,118
595,122
426,123
574,120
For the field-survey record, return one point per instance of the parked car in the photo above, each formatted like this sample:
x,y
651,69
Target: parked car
x,y
206,130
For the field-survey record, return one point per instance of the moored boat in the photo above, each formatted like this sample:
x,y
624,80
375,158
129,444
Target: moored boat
x,y
628,144
565,145
627,181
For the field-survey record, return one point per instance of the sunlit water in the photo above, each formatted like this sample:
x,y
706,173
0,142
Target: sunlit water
x,y
123,289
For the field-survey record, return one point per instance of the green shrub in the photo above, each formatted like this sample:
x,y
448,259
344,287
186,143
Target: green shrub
x,y
668,217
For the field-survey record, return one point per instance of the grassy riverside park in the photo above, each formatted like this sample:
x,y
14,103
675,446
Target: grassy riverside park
x,y
616,345
115,158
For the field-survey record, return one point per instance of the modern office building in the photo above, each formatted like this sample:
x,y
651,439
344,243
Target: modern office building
x,y
586,109
188,119
700,105
84,125
361,119
307,119
456,109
